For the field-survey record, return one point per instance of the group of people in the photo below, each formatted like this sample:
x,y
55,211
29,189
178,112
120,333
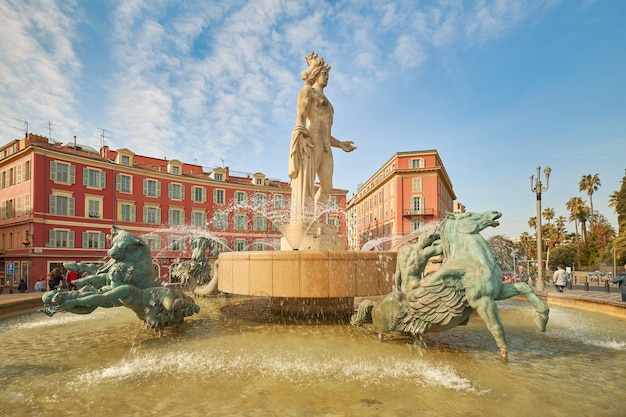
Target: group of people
x,y
57,278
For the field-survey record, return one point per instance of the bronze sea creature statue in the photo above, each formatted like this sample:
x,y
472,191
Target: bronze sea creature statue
x,y
127,279
468,281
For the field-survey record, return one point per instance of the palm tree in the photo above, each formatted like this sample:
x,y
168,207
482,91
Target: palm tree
x,y
583,216
574,205
548,214
532,222
590,184
613,199
559,231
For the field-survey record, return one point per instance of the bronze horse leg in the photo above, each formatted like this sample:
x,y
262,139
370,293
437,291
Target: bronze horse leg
x,y
522,288
487,309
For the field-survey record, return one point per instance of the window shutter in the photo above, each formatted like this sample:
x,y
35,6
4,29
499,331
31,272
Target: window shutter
x,y
53,170
70,239
71,204
85,176
84,240
103,180
53,204
72,174
52,238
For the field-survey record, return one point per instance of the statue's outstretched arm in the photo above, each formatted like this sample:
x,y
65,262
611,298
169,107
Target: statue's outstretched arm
x,y
346,146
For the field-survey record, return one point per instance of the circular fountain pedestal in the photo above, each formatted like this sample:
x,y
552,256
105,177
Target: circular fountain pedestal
x,y
331,278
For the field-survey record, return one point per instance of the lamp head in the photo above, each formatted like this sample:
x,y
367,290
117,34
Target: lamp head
x,y
547,171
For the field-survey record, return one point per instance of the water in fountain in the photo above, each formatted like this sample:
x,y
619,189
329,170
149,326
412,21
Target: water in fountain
x,y
215,365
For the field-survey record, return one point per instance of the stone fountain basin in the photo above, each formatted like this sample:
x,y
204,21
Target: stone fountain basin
x,y
307,274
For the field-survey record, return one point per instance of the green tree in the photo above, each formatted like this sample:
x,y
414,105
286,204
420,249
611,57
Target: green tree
x,y
619,242
573,205
563,254
590,185
548,214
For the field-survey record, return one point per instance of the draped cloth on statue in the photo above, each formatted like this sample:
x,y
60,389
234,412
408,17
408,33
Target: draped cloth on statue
x,y
302,174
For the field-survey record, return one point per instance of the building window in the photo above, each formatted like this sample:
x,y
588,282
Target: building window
x,y
334,203
218,196
27,204
241,222
333,221
124,183
241,245
62,205
176,191
259,200
93,240
151,188
416,205
176,217
125,160
258,181
198,218
61,238
220,220
417,163
198,194
93,209
62,173
279,201
258,245
151,215
416,224
153,242
417,185
241,198
218,177
8,209
126,212
260,222
176,243
175,170
94,178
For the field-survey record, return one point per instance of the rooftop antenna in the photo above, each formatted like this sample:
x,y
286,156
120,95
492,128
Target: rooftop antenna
x,y
223,166
103,136
25,125
50,130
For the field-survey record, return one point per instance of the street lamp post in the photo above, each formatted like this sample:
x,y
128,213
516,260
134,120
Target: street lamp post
x,y
536,187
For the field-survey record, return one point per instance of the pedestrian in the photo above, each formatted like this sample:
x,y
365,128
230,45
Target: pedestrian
x,y
55,279
39,285
522,275
560,278
21,287
621,280
71,277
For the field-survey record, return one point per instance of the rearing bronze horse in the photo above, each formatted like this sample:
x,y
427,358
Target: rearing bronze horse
x,y
468,280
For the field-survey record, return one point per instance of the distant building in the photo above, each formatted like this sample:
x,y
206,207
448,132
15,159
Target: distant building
x,y
409,191
58,203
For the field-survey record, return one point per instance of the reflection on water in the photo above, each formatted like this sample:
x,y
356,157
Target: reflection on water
x,y
107,363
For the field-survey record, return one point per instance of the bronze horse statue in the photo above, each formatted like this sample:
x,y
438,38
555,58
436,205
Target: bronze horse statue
x,y
468,281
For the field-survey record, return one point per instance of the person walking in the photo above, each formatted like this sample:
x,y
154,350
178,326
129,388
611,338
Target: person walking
x,y
560,278
39,285
621,280
22,287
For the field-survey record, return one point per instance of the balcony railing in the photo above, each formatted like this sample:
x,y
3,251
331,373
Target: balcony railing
x,y
422,212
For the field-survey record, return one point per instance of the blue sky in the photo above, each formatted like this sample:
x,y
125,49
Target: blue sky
x,y
497,87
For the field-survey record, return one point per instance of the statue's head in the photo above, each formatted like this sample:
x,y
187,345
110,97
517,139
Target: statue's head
x,y
125,245
468,222
316,66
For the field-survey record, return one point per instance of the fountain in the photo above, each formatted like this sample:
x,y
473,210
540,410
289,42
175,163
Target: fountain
x,y
220,364
105,363
313,273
